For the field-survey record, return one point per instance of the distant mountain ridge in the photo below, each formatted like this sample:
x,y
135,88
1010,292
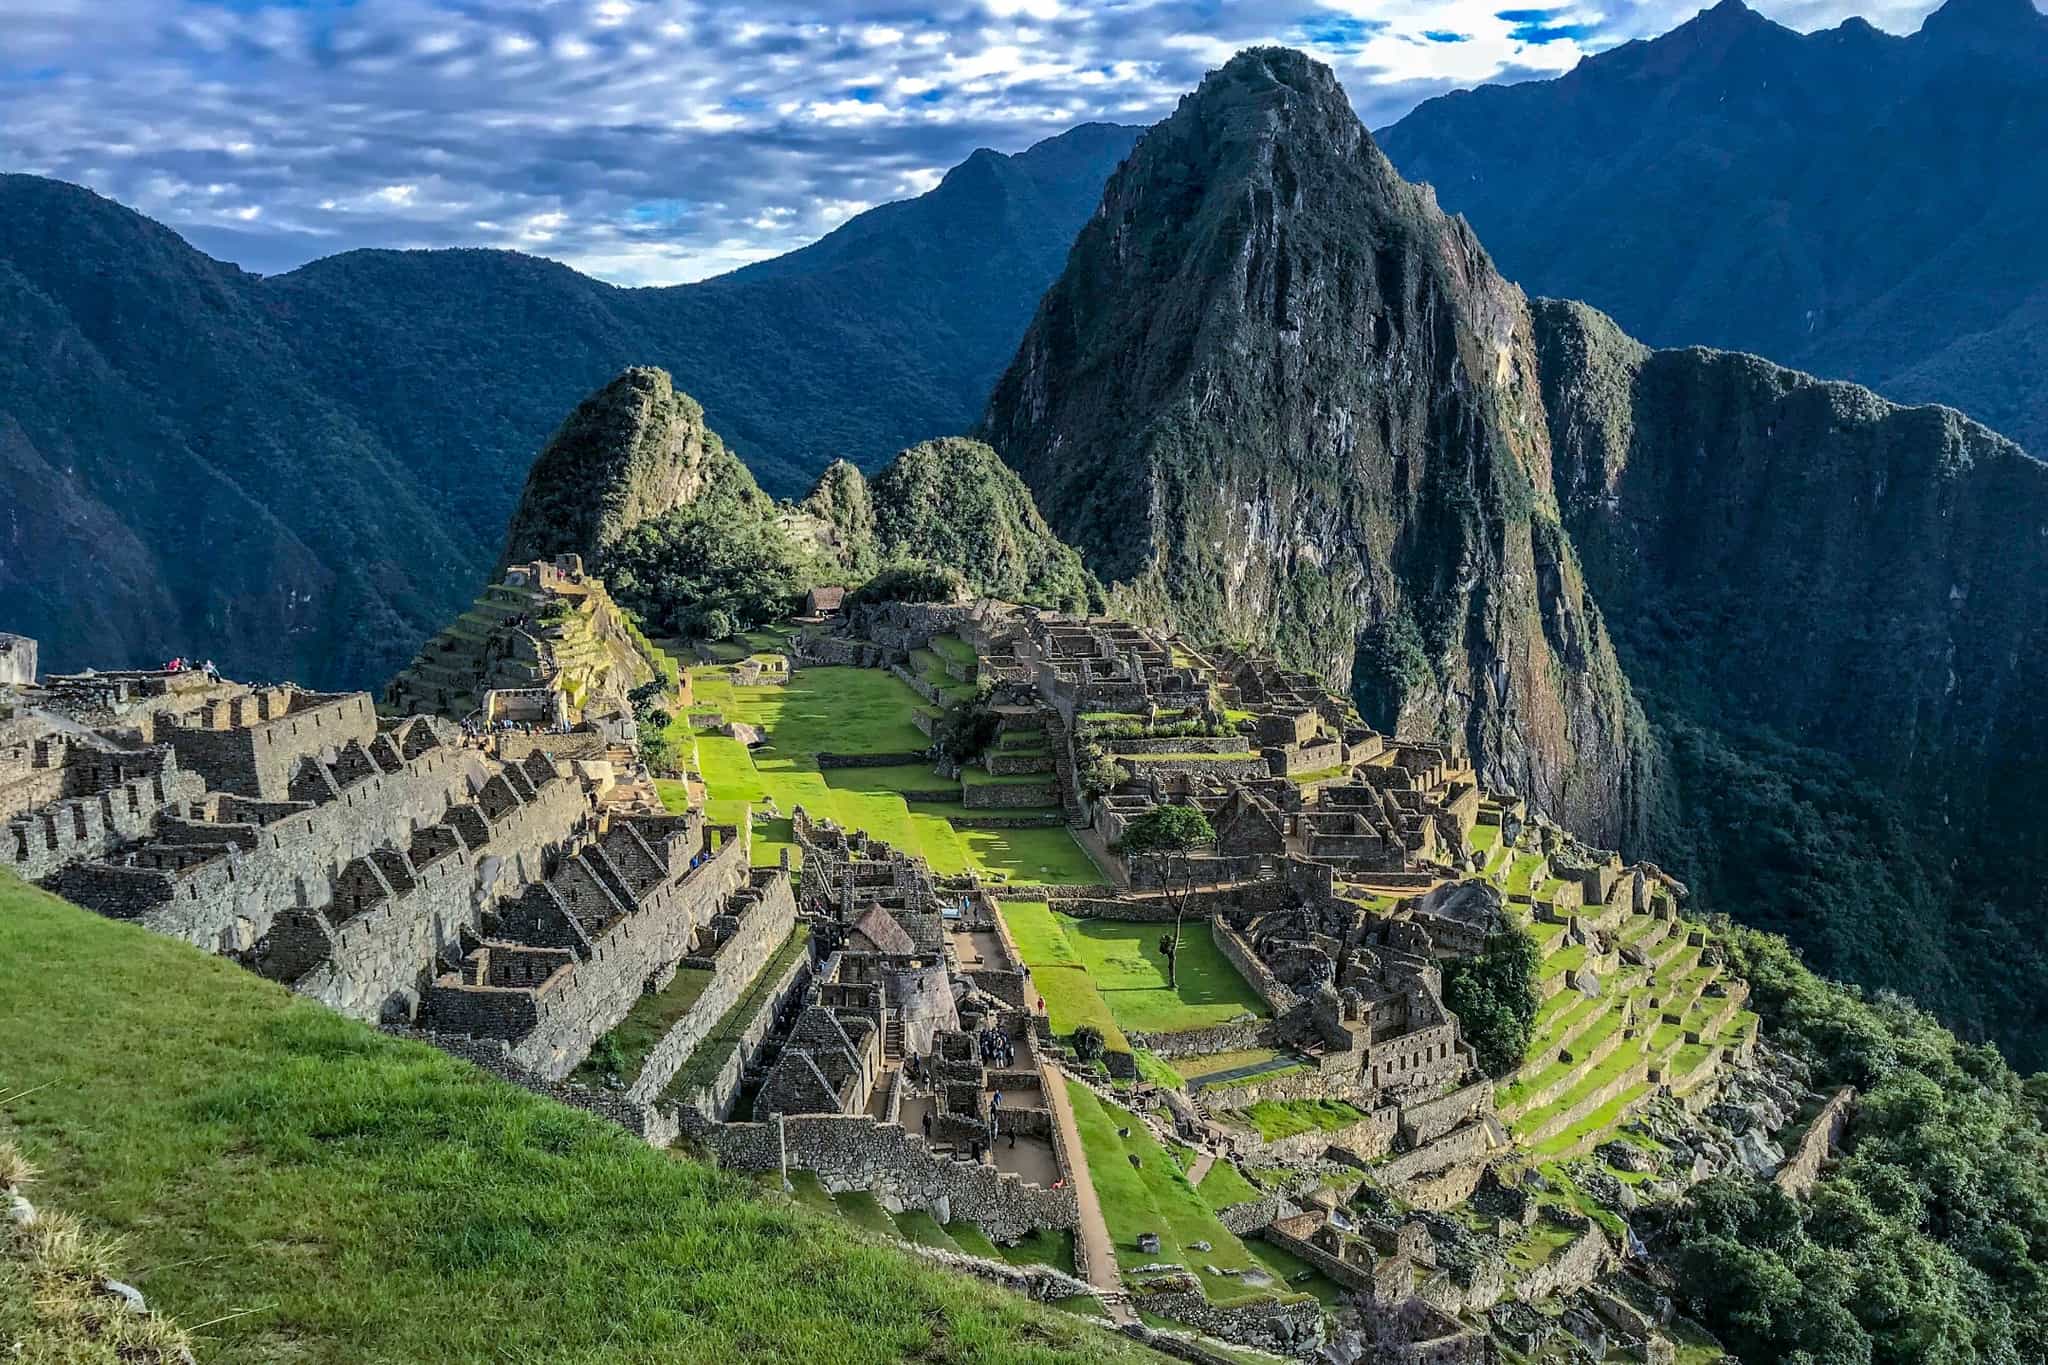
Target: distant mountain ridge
x,y
1857,204
305,474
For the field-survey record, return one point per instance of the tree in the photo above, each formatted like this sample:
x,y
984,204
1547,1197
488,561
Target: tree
x,y
1100,774
1172,832
1494,997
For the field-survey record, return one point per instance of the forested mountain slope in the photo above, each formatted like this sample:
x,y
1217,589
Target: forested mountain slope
x,y
303,475
1857,204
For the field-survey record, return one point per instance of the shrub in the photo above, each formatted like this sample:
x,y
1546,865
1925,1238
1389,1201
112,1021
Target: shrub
x,y
1494,997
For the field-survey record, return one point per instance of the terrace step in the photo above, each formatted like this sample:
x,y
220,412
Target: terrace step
x,y
1283,1062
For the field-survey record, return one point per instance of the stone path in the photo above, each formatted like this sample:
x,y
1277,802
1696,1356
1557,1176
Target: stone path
x,y
1280,1063
1093,1234
1201,1168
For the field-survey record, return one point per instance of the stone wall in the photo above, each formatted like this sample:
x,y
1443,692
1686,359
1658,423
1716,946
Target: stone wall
x,y
1370,1137
1009,795
1289,1329
862,1153
713,1101
257,757
1429,1120
227,900
1252,1215
1800,1172
1585,1259
1309,758
1248,768
1354,1277
43,842
605,983
1438,1193
374,961
900,759
1039,1282
1191,744
762,932
1237,951
1236,1036
1456,1147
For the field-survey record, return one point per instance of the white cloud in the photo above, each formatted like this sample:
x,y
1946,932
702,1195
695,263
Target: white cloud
x,y
604,130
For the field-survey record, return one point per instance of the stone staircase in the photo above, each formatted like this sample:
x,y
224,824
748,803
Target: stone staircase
x,y
1058,740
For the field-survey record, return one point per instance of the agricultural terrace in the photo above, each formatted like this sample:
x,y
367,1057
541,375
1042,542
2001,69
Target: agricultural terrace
x,y
860,711
1153,1194
295,1186
1592,1057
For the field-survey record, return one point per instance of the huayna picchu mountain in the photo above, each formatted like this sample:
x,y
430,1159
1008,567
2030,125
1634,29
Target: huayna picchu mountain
x,y
1772,632
1278,395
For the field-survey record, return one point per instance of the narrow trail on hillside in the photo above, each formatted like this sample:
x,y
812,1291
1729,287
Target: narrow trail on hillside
x,y
1096,1248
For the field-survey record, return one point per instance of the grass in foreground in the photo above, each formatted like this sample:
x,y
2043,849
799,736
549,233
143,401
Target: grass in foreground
x,y
300,1187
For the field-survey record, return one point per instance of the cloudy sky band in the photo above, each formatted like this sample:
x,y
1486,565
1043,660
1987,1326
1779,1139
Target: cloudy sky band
x,y
656,141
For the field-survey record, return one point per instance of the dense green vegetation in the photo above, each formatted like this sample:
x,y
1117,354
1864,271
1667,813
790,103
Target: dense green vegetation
x,y
1494,997
1927,1242
686,539
293,1185
954,502
1636,184
723,562
305,476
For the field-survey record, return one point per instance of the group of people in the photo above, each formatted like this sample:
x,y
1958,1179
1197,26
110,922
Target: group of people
x,y
997,1049
184,665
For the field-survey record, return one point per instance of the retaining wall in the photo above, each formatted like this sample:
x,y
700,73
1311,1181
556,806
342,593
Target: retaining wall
x,y
762,932
862,1153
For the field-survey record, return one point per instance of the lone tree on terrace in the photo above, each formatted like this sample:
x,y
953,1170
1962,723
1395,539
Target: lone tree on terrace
x,y
1172,832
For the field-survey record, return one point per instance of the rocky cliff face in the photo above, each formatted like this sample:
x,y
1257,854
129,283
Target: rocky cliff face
x,y
1738,183
631,452
1278,395
1834,608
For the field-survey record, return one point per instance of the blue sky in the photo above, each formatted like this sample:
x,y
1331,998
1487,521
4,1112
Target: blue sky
x,y
654,141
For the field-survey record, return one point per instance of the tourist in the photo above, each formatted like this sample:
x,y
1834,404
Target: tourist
x,y
996,1103
927,1125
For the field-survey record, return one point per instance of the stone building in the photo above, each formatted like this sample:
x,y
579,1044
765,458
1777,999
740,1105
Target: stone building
x,y
17,661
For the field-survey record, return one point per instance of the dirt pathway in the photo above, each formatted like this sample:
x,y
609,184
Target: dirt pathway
x,y
1093,1234
1201,1167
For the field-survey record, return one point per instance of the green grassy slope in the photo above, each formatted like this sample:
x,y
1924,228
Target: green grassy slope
x,y
296,1187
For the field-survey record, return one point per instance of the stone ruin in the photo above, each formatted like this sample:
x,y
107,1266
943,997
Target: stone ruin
x,y
397,869
544,646
17,661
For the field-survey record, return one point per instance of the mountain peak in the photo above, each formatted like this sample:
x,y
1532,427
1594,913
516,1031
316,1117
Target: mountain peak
x,y
1728,19
630,452
1981,19
1277,397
